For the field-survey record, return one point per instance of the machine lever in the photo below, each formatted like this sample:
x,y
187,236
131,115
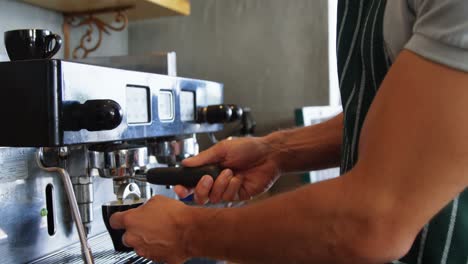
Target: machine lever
x,y
75,212
186,176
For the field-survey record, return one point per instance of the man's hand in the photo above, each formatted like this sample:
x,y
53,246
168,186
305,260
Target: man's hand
x,y
252,170
155,230
413,159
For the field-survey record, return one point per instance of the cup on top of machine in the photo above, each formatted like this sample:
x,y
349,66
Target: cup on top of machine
x,y
31,44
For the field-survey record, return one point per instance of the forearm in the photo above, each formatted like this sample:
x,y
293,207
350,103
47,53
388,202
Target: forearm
x,y
308,148
373,213
315,224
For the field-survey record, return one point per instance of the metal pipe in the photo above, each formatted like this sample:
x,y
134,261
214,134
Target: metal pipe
x,y
85,248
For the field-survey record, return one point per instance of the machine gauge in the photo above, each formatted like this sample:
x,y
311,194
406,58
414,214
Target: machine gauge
x,y
187,106
138,105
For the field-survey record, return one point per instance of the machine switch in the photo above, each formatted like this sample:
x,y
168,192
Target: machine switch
x,y
93,115
218,114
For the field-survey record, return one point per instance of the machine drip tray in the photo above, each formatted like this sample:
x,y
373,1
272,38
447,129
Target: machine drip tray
x,y
104,253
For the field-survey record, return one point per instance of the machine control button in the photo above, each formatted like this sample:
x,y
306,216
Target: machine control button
x,y
138,109
93,115
237,112
214,114
166,108
187,106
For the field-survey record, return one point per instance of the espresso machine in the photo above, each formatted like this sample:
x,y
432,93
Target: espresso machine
x,y
78,139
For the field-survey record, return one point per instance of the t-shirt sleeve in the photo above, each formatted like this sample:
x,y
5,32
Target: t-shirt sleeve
x,y
440,32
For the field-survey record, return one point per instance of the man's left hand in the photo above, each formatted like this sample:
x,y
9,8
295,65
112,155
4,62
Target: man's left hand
x,y
156,229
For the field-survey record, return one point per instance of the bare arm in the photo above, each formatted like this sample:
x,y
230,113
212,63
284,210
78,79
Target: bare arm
x,y
254,164
413,161
414,133
309,148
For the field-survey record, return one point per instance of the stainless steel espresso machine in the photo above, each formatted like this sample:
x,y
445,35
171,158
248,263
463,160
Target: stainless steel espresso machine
x,y
77,137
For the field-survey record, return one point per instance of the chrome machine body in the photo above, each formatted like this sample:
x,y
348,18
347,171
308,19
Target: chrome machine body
x,y
76,129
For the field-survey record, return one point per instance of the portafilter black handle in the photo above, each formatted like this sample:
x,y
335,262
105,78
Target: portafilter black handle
x,y
186,176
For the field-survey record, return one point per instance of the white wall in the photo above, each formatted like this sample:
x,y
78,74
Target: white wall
x,y
114,44
18,15
334,89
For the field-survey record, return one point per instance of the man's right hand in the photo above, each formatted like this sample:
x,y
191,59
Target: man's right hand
x,y
251,169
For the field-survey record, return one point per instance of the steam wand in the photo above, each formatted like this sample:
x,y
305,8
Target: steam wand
x,y
85,249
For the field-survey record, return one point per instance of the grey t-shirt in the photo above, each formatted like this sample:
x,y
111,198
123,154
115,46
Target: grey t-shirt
x,y
434,29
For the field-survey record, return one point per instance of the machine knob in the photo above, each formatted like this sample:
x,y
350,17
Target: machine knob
x,y
93,115
213,114
237,113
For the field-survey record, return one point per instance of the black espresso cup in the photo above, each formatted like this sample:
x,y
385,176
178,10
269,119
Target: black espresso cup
x,y
31,44
116,234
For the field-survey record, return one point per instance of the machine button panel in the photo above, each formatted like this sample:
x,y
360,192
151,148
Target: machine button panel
x,y
166,105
